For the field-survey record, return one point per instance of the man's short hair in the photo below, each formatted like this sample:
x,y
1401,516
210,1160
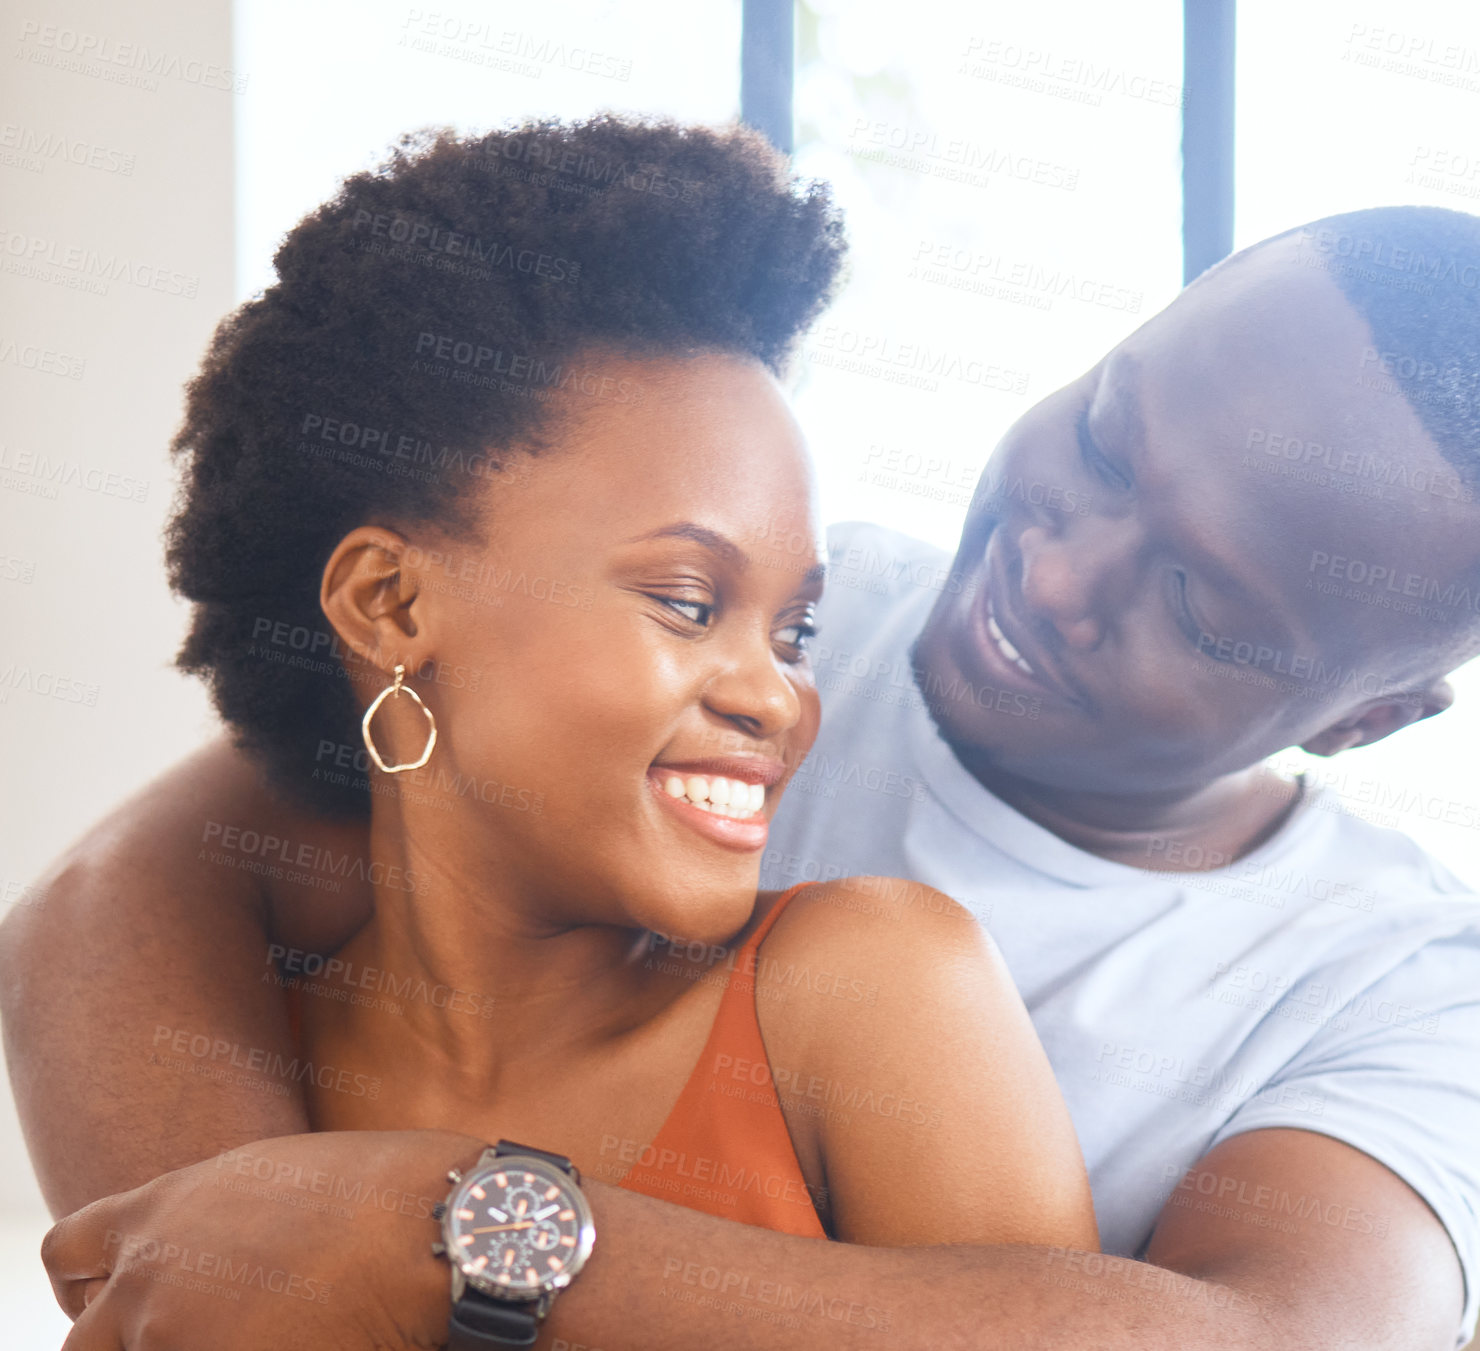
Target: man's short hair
x,y
1413,273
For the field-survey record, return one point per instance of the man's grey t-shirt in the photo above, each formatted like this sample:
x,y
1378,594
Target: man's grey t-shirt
x,y
1329,981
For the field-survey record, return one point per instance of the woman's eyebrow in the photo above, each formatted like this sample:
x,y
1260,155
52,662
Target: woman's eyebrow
x,y
717,544
709,539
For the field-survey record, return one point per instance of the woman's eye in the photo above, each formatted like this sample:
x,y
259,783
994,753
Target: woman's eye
x,y
696,611
1095,458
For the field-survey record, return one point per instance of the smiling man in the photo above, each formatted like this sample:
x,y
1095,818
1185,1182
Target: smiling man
x,y
1251,526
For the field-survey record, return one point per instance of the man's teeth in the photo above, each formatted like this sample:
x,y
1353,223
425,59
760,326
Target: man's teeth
x,y
723,797
1006,648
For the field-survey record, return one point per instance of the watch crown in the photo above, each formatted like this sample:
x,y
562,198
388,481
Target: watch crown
x,y
439,1250
439,1210
454,1175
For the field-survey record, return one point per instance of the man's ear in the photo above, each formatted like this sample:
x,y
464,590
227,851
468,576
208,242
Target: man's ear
x,y
1381,718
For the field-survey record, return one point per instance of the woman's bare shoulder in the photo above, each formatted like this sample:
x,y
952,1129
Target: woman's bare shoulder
x,y
877,924
901,1041
849,956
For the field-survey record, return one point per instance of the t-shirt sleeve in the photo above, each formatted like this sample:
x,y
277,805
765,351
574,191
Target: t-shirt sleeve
x,y
1395,1072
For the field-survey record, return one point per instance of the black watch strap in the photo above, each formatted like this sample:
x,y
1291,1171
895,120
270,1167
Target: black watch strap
x,y
559,1160
479,1322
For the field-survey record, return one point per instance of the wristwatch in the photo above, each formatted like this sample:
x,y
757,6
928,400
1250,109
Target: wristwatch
x,y
516,1230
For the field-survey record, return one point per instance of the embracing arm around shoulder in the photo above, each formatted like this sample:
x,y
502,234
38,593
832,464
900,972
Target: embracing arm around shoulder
x,y
951,1172
937,1114
135,982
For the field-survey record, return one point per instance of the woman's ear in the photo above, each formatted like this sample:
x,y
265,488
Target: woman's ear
x,y
367,593
1381,718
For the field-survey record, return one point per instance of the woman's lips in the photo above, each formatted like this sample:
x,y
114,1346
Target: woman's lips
x,y
745,834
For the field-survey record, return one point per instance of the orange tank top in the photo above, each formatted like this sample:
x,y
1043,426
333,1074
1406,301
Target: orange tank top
x,y
724,1148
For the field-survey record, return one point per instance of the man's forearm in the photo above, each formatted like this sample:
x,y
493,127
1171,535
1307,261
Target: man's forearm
x,y
666,1278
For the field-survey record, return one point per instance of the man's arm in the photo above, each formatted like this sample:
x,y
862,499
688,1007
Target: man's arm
x,y
671,1281
151,922
1339,1244
664,1278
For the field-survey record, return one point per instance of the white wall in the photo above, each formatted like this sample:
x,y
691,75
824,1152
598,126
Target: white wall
x,y
116,261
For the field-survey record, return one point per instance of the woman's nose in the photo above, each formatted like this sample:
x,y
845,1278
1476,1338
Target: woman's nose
x,y
755,694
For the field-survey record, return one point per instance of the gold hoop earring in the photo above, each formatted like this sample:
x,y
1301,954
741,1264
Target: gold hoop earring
x,y
396,687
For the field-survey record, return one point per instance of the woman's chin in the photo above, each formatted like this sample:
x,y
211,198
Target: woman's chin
x,y
701,919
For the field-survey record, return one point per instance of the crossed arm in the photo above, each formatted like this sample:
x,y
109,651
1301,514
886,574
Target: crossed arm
x,y
103,958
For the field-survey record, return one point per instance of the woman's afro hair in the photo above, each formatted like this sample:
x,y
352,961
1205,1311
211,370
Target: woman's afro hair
x,y
420,325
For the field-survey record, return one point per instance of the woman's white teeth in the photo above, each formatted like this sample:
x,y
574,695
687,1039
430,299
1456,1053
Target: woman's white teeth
x,y
724,797
1006,648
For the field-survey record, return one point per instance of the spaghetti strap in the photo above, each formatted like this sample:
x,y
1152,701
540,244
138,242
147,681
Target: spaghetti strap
x,y
772,915
725,1148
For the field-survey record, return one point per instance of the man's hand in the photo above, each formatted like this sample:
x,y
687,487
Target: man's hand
x,y
302,1243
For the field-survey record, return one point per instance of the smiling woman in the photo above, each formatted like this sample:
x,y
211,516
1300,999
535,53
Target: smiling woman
x,y
517,464
689,661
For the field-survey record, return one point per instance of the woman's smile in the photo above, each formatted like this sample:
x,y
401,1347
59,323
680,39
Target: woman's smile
x,y
724,800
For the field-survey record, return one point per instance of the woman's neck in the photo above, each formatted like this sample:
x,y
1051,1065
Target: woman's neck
x,y
489,976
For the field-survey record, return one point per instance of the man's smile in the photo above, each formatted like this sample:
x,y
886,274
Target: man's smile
x,y
1015,655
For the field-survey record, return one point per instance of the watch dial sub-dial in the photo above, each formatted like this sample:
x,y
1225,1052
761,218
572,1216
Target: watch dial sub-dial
x,y
522,1201
514,1230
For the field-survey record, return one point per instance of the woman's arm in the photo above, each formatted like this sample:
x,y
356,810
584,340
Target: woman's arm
x,y
891,1020
136,1015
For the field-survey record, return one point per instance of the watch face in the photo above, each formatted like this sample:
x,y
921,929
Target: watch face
x,y
518,1228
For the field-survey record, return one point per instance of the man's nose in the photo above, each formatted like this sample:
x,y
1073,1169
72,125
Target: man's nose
x,y
1073,578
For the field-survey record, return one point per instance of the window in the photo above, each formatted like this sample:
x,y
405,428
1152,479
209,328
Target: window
x,y
1012,182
